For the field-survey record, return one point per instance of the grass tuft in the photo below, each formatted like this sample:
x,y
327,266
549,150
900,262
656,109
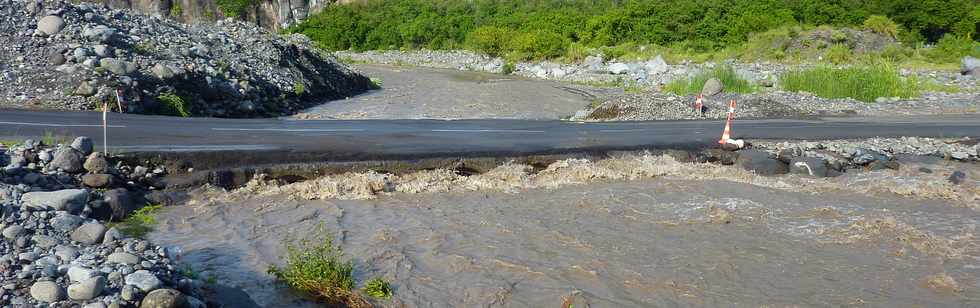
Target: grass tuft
x,y
316,267
378,288
861,83
726,74
140,222
173,104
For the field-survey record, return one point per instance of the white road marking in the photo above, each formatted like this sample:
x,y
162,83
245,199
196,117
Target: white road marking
x,y
57,124
302,130
486,131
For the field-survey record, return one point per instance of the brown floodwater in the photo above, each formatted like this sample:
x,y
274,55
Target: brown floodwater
x,y
669,241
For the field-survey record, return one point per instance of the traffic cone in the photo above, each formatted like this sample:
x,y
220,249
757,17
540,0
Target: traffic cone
x,y
725,136
699,105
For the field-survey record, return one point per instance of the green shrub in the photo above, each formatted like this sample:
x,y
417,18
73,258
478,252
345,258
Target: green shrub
x,y
378,288
172,104
316,267
235,8
489,40
881,25
838,54
861,83
299,89
139,223
176,10
726,74
539,44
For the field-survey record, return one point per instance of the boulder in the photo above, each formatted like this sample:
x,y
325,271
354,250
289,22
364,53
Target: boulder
x,y
99,180
50,25
656,66
65,222
957,178
96,163
83,144
593,63
122,202
971,66
618,68
144,280
87,289
71,200
78,273
68,160
123,258
102,50
85,89
810,166
57,59
12,232
99,33
47,292
717,156
162,71
118,67
712,87
760,163
88,234
164,298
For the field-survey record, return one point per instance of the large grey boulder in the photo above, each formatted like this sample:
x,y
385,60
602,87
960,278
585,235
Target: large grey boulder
x,y
618,68
162,71
83,144
68,160
87,289
88,234
971,66
712,87
144,280
78,273
85,89
65,222
71,200
96,163
99,33
121,203
47,291
50,25
656,66
810,166
761,163
118,67
164,298
12,232
123,258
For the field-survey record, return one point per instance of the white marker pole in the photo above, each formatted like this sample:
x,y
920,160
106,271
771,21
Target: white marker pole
x,y
105,129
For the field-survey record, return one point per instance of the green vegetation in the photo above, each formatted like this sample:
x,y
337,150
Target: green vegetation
x,y
176,10
140,222
144,48
726,74
173,104
377,288
376,82
679,29
236,8
299,88
316,267
861,83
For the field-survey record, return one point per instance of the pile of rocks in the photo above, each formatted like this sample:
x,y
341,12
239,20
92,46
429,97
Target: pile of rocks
x,y
55,54
56,248
957,149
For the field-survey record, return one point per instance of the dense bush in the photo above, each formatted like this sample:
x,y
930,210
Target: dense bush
x,y
235,8
546,28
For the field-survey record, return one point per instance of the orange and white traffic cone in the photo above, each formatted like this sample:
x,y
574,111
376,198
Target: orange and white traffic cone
x,y
727,135
699,105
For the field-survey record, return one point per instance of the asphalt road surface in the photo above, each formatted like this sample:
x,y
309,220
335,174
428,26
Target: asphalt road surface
x,y
388,139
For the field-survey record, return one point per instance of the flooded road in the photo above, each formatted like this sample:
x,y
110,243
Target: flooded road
x,y
662,242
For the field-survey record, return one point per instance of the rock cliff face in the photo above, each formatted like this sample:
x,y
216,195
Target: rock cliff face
x,y
271,14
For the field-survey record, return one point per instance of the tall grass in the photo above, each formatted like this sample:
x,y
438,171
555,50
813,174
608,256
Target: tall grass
x,y
726,74
865,83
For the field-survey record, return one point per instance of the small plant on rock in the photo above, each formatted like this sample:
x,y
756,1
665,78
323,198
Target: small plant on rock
x,y
299,89
378,288
173,104
140,222
176,10
316,267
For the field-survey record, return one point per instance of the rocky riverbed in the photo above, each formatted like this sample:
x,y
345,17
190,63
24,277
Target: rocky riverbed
x,y
59,55
61,245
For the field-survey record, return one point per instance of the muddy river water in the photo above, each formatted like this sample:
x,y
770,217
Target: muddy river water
x,y
660,242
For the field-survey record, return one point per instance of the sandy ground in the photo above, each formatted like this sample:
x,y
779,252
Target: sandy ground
x,y
660,234
426,93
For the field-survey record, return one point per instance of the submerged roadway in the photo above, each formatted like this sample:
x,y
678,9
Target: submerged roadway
x,y
351,140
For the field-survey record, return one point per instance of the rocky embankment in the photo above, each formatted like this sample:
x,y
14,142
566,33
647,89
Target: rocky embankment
x,y
59,55
59,247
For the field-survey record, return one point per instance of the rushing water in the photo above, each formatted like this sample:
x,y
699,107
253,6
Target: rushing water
x,y
649,243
